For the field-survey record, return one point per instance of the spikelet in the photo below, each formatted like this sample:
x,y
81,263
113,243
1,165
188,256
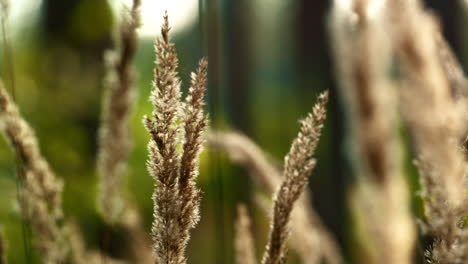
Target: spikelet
x,y
243,241
299,163
195,122
176,198
42,202
114,134
309,237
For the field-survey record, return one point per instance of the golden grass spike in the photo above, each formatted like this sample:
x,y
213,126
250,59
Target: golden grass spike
x,y
176,198
299,163
309,237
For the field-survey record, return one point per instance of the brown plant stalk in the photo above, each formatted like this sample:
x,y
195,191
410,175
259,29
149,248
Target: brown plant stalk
x,y
364,81
437,123
299,163
42,202
309,237
114,133
363,56
176,137
243,241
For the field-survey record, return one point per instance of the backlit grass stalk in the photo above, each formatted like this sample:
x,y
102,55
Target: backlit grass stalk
x,y
176,137
114,133
42,202
309,237
363,56
299,163
437,123
432,113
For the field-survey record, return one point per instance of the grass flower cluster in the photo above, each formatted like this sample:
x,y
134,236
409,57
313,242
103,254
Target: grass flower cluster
x,y
428,99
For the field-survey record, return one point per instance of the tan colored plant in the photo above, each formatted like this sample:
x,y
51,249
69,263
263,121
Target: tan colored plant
x,y
433,97
299,163
173,161
114,133
381,202
42,202
115,138
309,237
437,123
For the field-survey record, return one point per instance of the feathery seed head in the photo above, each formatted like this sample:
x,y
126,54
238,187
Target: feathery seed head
x,y
176,137
299,163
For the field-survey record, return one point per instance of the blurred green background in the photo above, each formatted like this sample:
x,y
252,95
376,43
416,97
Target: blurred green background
x,y
269,59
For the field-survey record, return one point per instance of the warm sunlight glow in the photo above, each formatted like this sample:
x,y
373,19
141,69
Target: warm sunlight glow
x,y
181,13
375,8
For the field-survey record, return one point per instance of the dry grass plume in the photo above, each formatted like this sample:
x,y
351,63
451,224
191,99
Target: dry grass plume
x,y
173,125
114,132
309,237
299,163
42,201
